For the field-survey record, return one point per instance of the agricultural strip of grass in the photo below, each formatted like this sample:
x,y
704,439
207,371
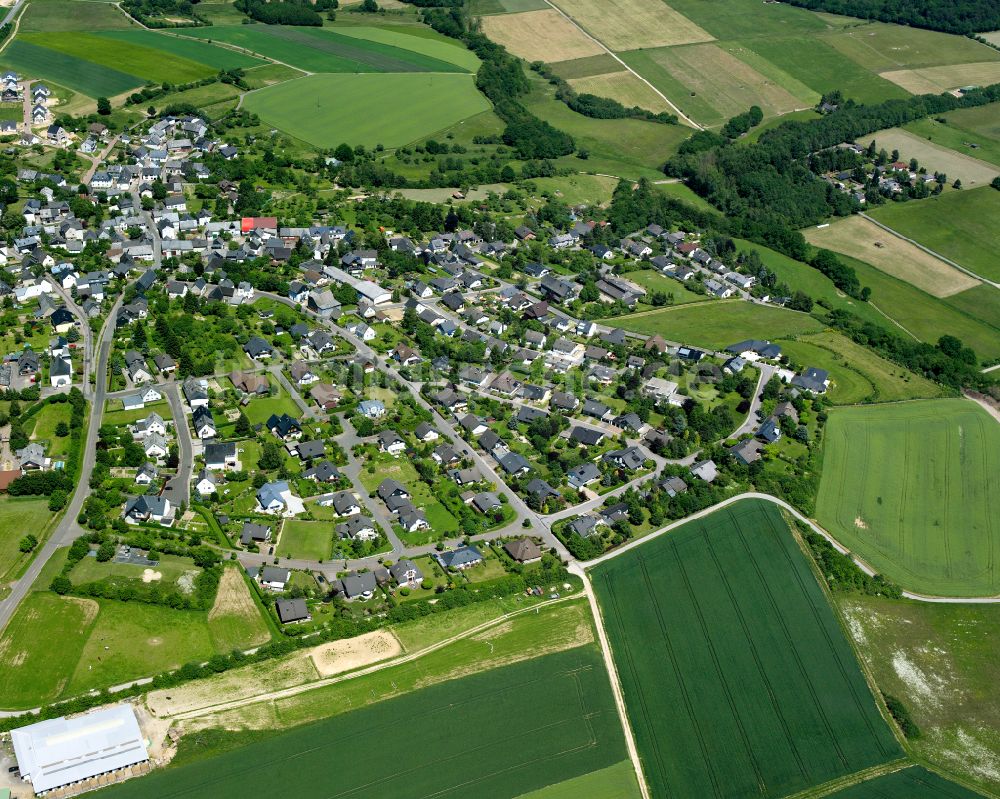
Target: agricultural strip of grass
x,y
952,132
613,782
858,373
879,46
392,110
914,782
727,19
146,63
414,39
623,86
823,68
377,56
632,24
78,74
566,725
935,80
540,36
72,15
933,157
735,670
928,318
717,324
711,83
963,226
910,489
200,52
585,67
862,239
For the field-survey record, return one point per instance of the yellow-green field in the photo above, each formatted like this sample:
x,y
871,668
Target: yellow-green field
x,y
624,87
540,36
633,24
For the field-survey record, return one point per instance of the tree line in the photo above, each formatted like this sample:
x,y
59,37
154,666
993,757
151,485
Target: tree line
x,y
950,16
280,12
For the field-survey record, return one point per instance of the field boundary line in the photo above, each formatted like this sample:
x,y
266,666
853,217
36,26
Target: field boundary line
x,y
611,53
929,251
612,670
855,778
859,562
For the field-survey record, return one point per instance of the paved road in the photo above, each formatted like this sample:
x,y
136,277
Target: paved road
x,y
178,488
753,415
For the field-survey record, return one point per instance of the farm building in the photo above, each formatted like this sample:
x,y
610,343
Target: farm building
x,y
59,752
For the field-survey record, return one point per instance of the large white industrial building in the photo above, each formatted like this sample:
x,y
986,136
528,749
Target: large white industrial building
x,y
59,752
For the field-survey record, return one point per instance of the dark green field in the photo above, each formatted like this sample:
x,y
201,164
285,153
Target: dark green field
x,y
910,783
94,80
323,50
737,676
494,735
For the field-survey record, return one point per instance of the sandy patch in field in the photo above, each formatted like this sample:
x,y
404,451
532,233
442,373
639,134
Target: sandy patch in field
x,y
242,683
866,241
233,597
973,755
934,80
624,87
923,688
353,653
934,157
540,36
860,523
633,24
149,576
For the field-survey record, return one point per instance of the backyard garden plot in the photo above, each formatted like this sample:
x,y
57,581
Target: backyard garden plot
x,y
874,495
540,36
934,80
566,726
963,226
711,83
718,323
862,239
914,782
326,110
632,24
624,87
735,670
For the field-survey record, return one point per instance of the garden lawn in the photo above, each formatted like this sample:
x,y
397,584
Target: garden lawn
x,y
46,421
18,517
719,323
562,704
960,225
305,540
651,280
736,674
391,110
911,488
261,408
438,516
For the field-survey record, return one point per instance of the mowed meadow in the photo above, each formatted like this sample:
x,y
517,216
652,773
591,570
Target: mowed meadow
x,y
912,489
737,677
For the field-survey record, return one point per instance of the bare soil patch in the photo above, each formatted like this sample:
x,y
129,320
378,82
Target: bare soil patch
x,y
866,241
540,36
337,657
149,576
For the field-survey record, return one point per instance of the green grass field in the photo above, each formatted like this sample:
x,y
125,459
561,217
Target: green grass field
x,y
736,673
566,725
613,782
79,74
882,47
414,38
170,567
326,110
176,46
719,323
730,19
329,50
44,430
928,318
858,374
73,15
960,225
18,517
963,133
652,280
260,409
305,540
909,646
914,782
910,488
